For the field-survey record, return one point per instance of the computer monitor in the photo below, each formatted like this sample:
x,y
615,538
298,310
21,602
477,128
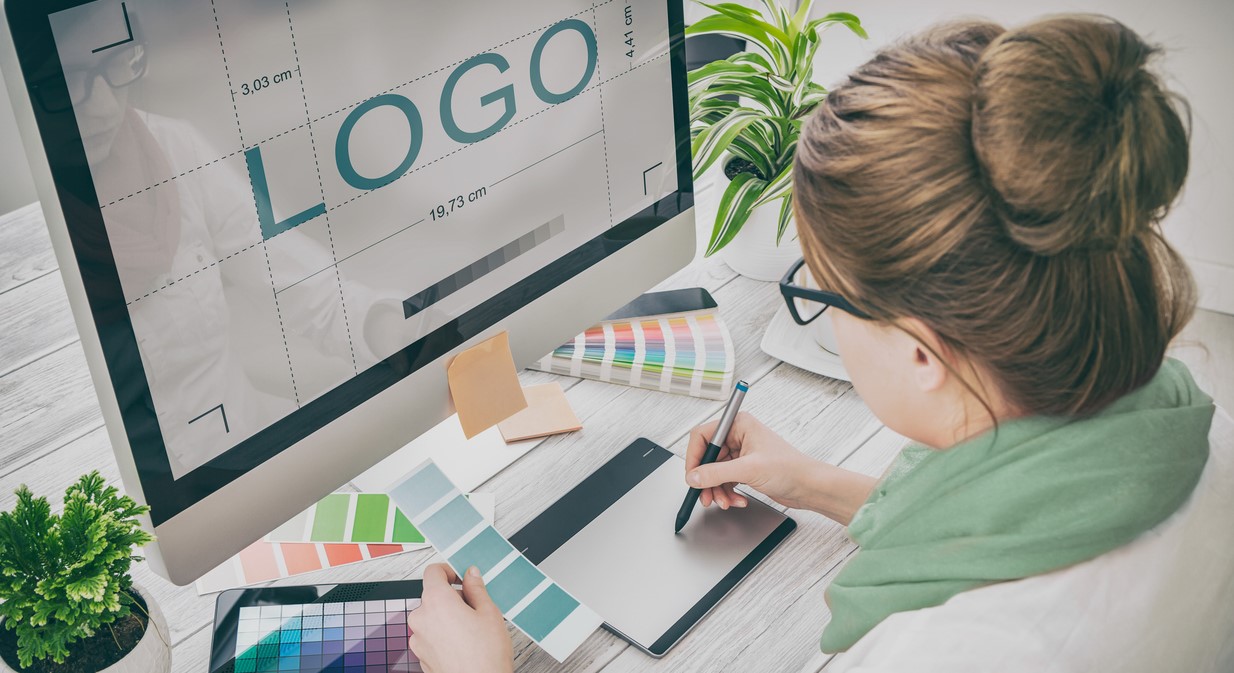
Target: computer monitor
x,y
278,221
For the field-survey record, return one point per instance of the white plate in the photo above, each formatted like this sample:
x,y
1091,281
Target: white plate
x,y
786,340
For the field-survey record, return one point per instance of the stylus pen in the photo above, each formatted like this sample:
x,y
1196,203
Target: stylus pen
x,y
713,449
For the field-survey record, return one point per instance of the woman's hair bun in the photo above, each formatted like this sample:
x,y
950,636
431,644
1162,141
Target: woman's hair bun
x,y
1079,143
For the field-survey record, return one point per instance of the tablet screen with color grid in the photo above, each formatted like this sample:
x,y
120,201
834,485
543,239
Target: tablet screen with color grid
x,y
352,637
540,608
260,633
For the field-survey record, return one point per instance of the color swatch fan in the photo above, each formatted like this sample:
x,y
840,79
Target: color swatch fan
x,y
686,353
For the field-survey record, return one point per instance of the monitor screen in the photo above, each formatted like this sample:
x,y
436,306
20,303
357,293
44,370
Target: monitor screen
x,y
280,209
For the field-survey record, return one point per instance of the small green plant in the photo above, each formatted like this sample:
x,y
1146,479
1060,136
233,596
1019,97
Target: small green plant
x,y
752,105
65,577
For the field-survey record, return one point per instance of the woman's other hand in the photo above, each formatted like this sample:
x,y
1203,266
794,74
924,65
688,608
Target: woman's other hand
x,y
458,631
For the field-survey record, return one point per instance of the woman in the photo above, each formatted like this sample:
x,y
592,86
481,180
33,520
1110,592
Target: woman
x,y
981,205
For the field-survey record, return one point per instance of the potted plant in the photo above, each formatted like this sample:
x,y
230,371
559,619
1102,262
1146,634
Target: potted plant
x,y
69,603
746,112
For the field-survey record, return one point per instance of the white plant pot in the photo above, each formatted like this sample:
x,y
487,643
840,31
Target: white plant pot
x,y
153,651
753,251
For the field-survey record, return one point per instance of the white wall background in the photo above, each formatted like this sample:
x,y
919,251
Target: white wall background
x,y
1198,62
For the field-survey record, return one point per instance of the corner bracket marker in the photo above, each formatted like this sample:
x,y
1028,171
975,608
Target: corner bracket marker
x,y
645,176
222,411
128,27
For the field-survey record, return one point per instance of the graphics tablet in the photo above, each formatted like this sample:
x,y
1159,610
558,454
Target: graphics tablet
x,y
329,628
610,542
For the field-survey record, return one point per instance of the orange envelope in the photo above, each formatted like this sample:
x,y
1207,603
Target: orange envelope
x,y
484,385
548,412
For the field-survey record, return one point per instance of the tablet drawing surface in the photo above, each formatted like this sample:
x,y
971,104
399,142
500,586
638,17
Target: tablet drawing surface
x,y
650,584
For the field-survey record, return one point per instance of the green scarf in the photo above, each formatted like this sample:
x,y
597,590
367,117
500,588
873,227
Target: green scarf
x,y
1034,496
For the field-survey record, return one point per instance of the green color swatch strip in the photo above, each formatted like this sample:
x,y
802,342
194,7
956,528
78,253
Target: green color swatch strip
x,y
330,521
372,519
369,522
404,531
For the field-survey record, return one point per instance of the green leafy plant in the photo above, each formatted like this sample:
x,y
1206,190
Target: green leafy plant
x,y
64,577
774,91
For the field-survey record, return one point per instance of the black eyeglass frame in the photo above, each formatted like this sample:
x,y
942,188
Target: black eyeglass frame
x,y
791,291
40,87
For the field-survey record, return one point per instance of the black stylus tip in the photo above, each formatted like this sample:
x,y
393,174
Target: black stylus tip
x,y
678,526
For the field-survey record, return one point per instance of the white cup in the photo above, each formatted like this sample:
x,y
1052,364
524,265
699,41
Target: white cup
x,y
824,333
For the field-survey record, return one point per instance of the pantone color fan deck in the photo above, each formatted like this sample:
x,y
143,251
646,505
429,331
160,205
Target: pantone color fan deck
x,y
689,354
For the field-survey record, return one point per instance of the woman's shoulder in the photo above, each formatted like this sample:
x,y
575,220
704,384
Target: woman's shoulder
x,y
182,141
1171,387
1159,603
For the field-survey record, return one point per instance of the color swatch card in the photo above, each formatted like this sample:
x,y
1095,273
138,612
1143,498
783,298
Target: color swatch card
x,y
359,517
538,606
689,354
264,561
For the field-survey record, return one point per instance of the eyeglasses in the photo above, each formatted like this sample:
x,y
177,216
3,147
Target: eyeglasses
x,y
119,70
806,301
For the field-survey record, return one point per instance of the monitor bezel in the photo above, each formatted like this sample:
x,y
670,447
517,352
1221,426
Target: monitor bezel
x,y
59,136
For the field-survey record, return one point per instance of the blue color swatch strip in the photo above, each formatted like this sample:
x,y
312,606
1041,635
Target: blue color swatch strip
x,y
535,604
483,551
421,490
544,613
513,583
452,521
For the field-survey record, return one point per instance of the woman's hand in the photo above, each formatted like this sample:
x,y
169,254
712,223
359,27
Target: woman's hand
x,y
459,631
753,455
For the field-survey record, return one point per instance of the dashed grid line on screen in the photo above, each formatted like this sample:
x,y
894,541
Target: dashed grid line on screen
x,y
608,178
226,70
291,371
355,366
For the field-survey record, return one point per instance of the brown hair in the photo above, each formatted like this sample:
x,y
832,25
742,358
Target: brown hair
x,y
1005,188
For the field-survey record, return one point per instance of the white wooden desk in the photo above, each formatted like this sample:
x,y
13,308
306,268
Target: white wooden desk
x,y
51,431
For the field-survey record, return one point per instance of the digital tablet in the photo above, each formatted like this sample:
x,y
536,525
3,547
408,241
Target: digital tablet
x,y
610,543
328,628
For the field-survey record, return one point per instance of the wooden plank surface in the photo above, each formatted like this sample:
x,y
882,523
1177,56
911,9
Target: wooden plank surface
x,y
50,432
25,249
44,405
36,321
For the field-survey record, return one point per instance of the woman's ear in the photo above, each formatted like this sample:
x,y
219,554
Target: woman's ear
x,y
924,348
